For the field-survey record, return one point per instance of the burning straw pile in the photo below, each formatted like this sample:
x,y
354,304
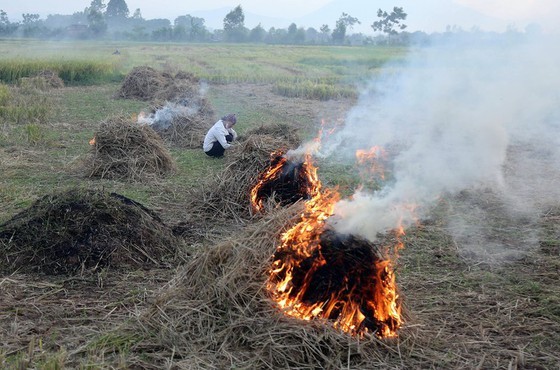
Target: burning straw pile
x,y
284,182
216,314
226,195
182,122
84,230
122,149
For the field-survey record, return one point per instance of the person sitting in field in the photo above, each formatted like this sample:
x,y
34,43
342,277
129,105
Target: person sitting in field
x,y
220,136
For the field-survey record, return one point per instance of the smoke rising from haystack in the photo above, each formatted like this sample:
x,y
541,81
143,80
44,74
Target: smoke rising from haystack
x,y
456,118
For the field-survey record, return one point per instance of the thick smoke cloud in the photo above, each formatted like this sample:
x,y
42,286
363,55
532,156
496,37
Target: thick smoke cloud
x,y
456,118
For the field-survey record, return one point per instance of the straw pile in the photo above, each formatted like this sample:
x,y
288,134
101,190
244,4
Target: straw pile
x,y
177,86
42,81
127,150
216,314
146,83
280,130
288,185
51,78
226,195
84,230
141,83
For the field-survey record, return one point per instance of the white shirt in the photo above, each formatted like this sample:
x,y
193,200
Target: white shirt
x,y
218,132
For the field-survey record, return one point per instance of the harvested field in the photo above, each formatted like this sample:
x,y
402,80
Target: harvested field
x,y
215,312
188,287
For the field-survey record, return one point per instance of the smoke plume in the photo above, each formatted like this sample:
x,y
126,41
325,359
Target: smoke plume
x,y
455,120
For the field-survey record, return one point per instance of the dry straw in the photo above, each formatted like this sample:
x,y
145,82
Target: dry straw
x,y
216,313
146,83
225,196
123,149
142,83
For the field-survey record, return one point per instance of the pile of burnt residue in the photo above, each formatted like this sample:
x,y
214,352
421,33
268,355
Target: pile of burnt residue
x,y
85,230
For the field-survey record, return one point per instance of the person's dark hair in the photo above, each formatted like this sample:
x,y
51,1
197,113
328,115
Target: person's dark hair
x,y
230,117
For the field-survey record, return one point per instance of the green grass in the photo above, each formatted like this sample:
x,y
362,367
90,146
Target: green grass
x,y
216,63
74,72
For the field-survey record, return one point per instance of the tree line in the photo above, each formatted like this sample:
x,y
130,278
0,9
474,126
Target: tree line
x,y
114,21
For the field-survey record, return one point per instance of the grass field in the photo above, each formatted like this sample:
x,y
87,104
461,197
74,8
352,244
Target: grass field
x,y
460,313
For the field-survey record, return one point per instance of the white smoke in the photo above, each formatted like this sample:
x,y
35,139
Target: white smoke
x,y
455,118
162,118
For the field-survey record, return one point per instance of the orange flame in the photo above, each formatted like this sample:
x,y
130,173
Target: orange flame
x,y
372,159
274,171
300,243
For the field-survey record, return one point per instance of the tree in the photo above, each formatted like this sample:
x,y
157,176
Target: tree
x,y
137,14
6,27
117,9
191,28
390,21
31,24
342,24
97,5
96,23
292,33
234,25
325,33
257,34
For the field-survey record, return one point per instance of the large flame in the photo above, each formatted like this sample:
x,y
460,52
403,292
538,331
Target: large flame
x,y
307,177
347,310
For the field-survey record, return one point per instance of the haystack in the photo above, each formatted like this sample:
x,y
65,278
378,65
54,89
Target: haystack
x,y
142,83
51,77
226,195
280,130
146,83
84,230
126,150
42,81
179,86
216,314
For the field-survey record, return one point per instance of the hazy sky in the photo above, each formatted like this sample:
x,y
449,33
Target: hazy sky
x,y
515,12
